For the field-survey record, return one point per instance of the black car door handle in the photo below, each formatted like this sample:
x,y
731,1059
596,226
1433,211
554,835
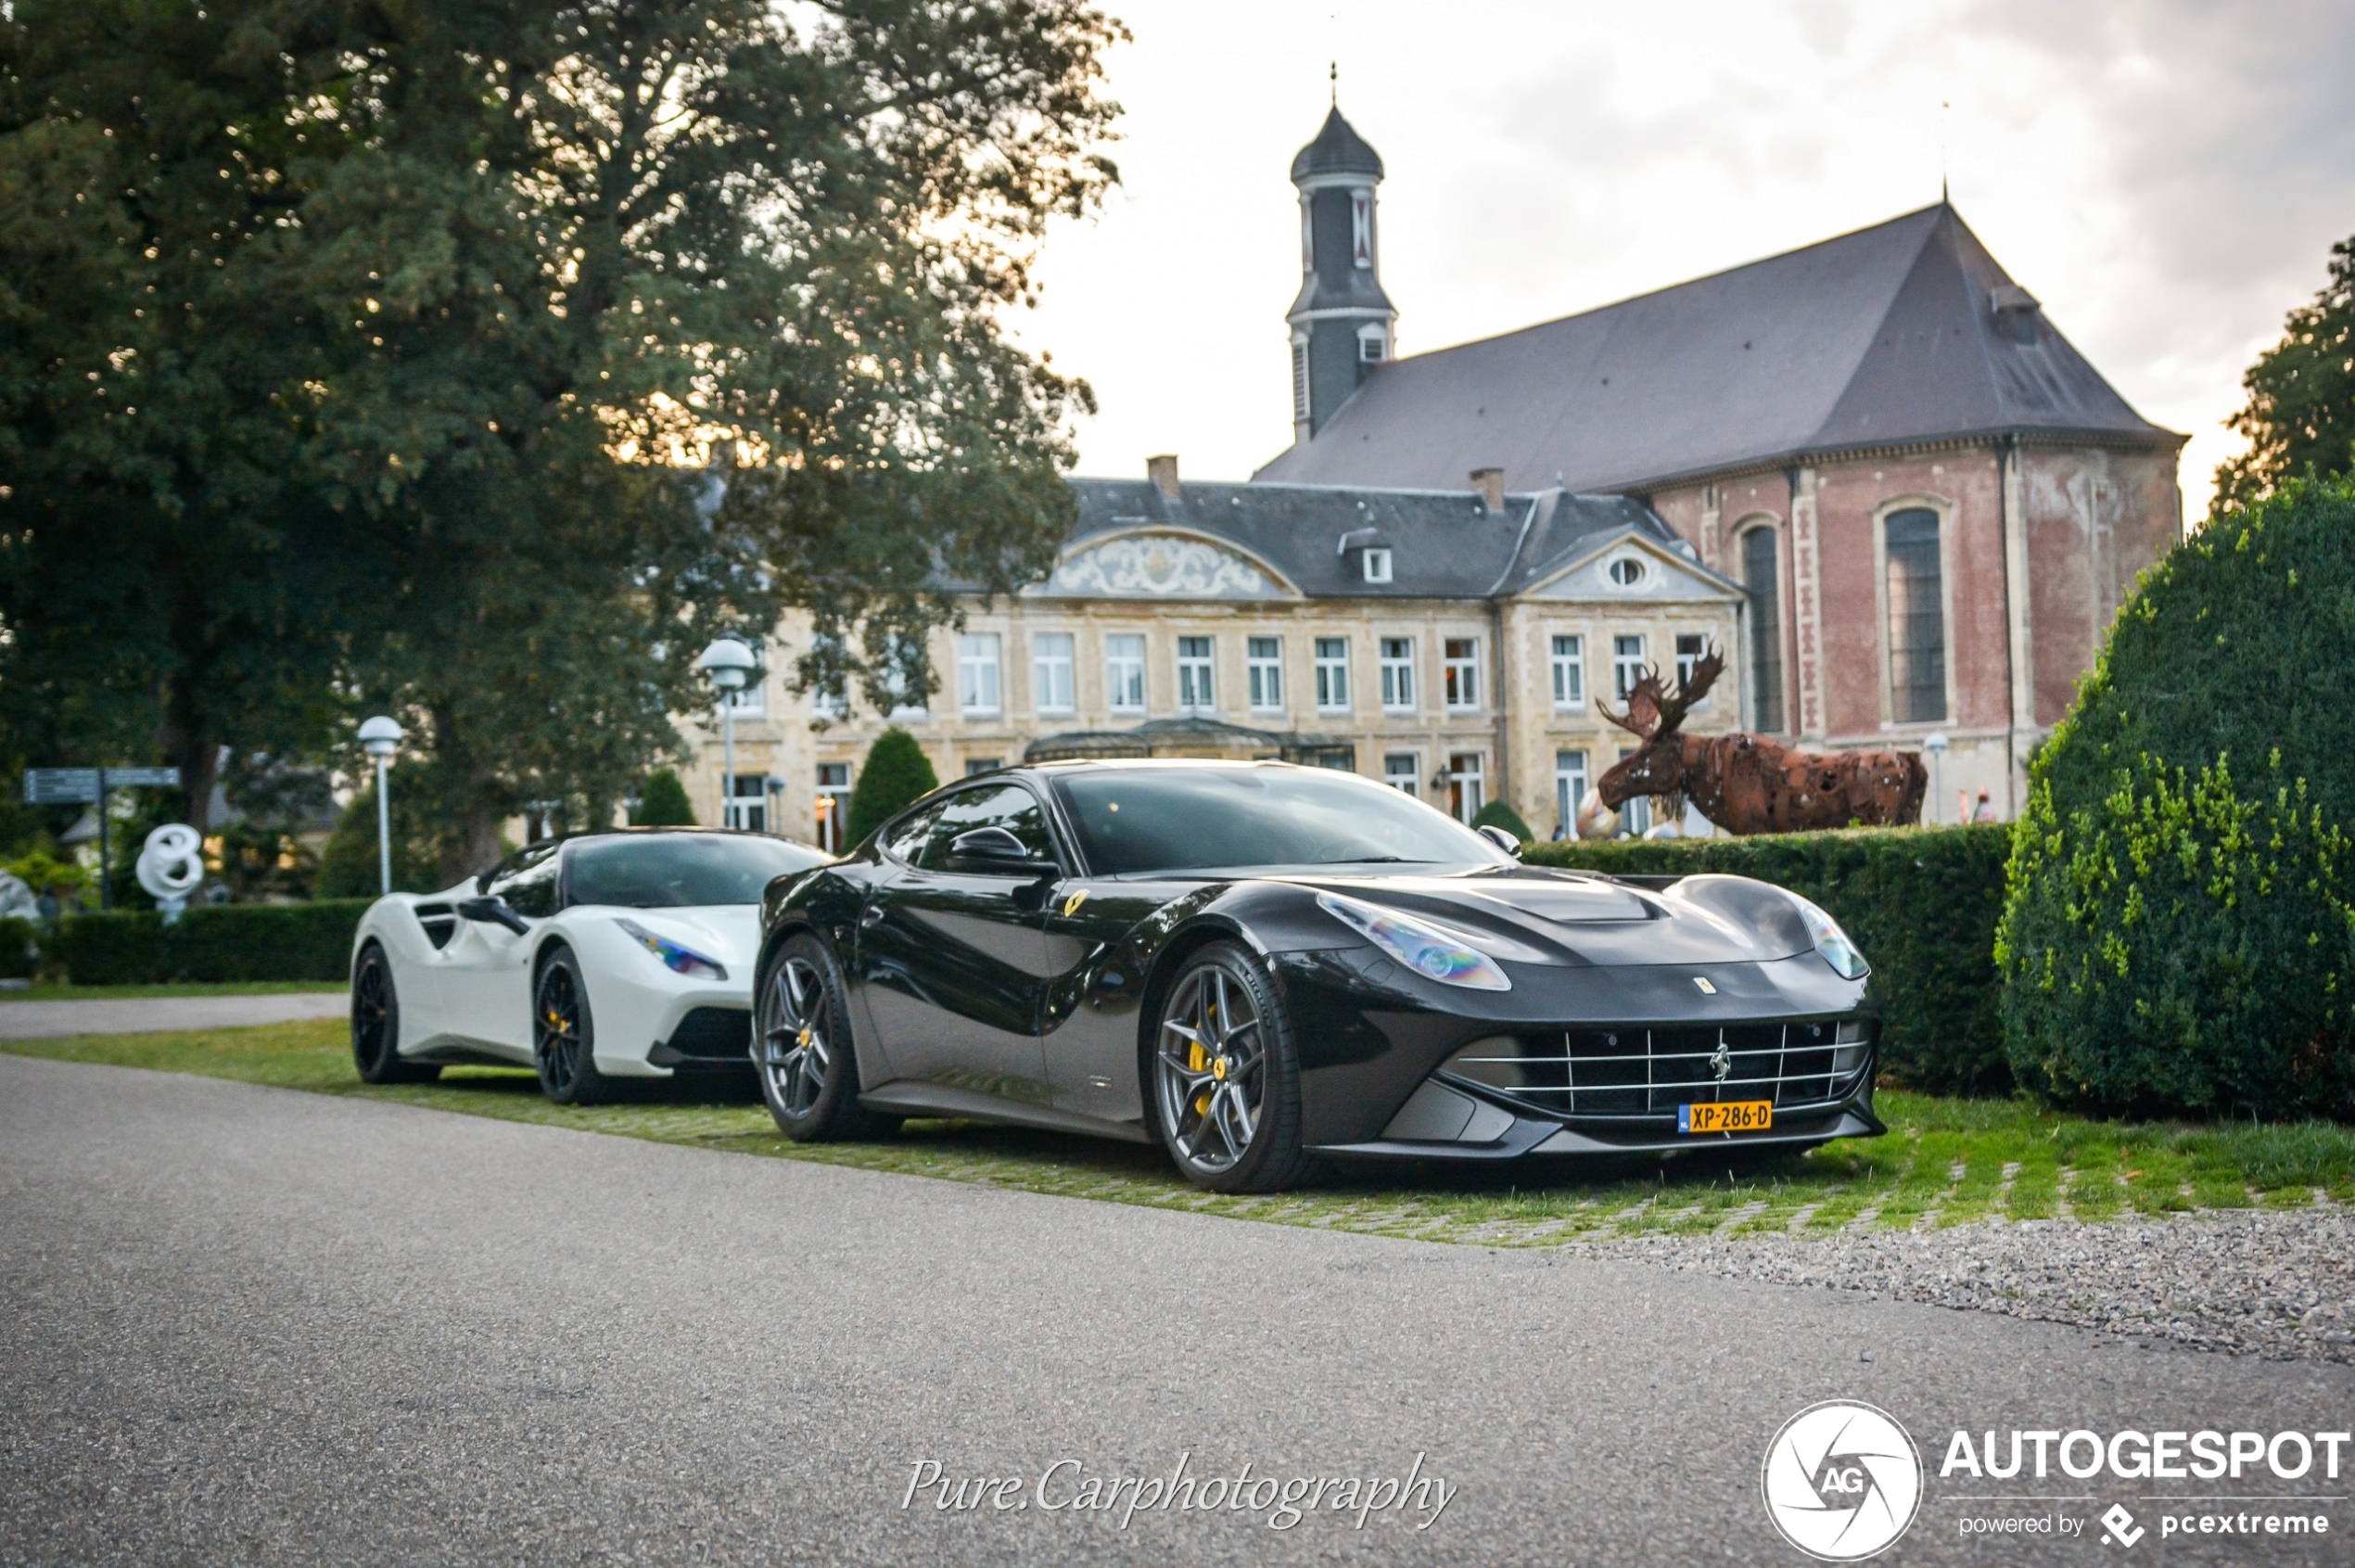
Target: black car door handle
x,y
869,917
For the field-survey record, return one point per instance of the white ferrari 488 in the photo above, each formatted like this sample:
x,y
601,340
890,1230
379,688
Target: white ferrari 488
x,y
603,956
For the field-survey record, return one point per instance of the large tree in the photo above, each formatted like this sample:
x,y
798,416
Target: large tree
x,y
2300,414
553,339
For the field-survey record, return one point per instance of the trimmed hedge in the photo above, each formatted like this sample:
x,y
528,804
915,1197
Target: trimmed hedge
x,y
1922,903
20,949
234,942
2181,932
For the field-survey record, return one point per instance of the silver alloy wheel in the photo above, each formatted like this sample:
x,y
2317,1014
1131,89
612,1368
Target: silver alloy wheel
x,y
1210,1069
794,1055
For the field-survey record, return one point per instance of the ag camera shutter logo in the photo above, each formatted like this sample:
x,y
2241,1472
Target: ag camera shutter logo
x,y
1842,1481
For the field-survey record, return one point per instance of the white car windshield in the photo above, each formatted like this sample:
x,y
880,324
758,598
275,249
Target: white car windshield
x,y
654,871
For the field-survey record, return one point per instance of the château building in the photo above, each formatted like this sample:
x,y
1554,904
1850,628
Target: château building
x,y
1871,471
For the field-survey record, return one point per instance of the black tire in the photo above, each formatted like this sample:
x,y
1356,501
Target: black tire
x,y
376,1024
803,1048
564,1035
1224,1090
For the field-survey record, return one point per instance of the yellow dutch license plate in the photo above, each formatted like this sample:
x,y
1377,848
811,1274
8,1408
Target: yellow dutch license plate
x,y
1727,1115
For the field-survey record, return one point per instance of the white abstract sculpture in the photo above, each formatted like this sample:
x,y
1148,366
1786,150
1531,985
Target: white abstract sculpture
x,y
1595,819
170,867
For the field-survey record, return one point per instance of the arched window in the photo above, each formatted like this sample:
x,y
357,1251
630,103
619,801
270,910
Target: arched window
x,y
1763,584
1917,617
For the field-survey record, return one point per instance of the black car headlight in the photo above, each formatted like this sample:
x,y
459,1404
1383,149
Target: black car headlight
x,y
1432,952
1832,942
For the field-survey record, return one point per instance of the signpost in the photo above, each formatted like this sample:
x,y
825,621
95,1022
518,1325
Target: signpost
x,y
87,787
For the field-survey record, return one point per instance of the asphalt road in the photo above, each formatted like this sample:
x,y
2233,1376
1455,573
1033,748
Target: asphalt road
x,y
239,1323
134,1015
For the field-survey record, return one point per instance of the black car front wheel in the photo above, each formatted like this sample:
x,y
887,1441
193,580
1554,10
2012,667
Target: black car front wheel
x,y
801,1044
1225,1076
376,1025
564,1035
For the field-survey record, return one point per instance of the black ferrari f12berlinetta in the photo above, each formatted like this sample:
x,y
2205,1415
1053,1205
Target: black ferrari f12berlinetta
x,y
1257,965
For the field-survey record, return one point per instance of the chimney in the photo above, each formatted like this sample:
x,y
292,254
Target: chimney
x,y
1490,482
1163,471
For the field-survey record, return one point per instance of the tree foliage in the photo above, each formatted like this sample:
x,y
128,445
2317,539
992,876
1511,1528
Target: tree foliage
x,y
2300,414
2178,931
896,772
477,363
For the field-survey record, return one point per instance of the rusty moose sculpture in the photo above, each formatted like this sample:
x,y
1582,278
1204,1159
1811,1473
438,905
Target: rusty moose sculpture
x,y
1745,784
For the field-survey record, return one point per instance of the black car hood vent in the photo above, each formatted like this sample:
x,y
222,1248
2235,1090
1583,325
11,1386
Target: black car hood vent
x,y
1533,917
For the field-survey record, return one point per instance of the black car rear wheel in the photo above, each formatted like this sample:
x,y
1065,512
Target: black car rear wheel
x,y
801,1043
564,1035
376,1025
1225,1076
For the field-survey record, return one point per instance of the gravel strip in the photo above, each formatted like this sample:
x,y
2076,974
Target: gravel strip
x,y
2281,1286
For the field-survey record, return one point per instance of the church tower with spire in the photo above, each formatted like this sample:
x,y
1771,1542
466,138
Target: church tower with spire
x,y
1341,322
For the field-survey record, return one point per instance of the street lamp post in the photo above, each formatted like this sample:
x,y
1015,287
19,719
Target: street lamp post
x,y
727,664
380,738
1936,747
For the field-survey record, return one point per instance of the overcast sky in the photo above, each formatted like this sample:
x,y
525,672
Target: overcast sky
x,y
2166,176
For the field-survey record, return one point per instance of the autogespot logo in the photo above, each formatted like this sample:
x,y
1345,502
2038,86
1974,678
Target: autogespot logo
x,y
1841,1481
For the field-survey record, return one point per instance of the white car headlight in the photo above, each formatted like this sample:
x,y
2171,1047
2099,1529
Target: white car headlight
x,y
682,959
1430,951
1832,942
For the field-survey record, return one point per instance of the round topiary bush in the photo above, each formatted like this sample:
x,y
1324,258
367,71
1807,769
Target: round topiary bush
x,y
1499,814
664,802
2178,930
896,772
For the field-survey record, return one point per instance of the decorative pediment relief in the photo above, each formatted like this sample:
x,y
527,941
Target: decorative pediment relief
x,y
1161,566
1627,570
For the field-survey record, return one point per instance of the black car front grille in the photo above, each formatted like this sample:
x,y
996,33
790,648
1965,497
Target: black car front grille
x,y
1636,1071
714,1034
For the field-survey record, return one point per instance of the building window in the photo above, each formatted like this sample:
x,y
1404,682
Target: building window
x,y
1050,663
1917,617
977,672
751,699
1194,692
1377,562
1635,817
833,800
976,766
1627,571
1398,675
1300,378
1402,770
1569,672
1570,791
1690,648
1125,672
1361,227
1460,673
1626,664
750,809
1465,788
1332,674
1763,583
1370,346
1264,666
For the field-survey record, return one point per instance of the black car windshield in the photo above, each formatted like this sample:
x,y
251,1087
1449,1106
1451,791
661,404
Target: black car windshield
x,y
1146,819
653,871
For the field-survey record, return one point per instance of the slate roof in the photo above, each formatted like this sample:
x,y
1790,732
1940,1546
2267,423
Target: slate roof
x,y
1885,336
1338,149
1443,543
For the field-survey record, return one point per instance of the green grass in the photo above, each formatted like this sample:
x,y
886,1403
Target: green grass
x,y
1946,1162
112,993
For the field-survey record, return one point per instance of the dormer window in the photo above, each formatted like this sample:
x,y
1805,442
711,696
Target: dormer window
x,y
1627,571
1377,562
1373,346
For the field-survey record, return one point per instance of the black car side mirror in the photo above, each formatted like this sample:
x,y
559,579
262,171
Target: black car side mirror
x,y
1499,837
494,911
994,849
